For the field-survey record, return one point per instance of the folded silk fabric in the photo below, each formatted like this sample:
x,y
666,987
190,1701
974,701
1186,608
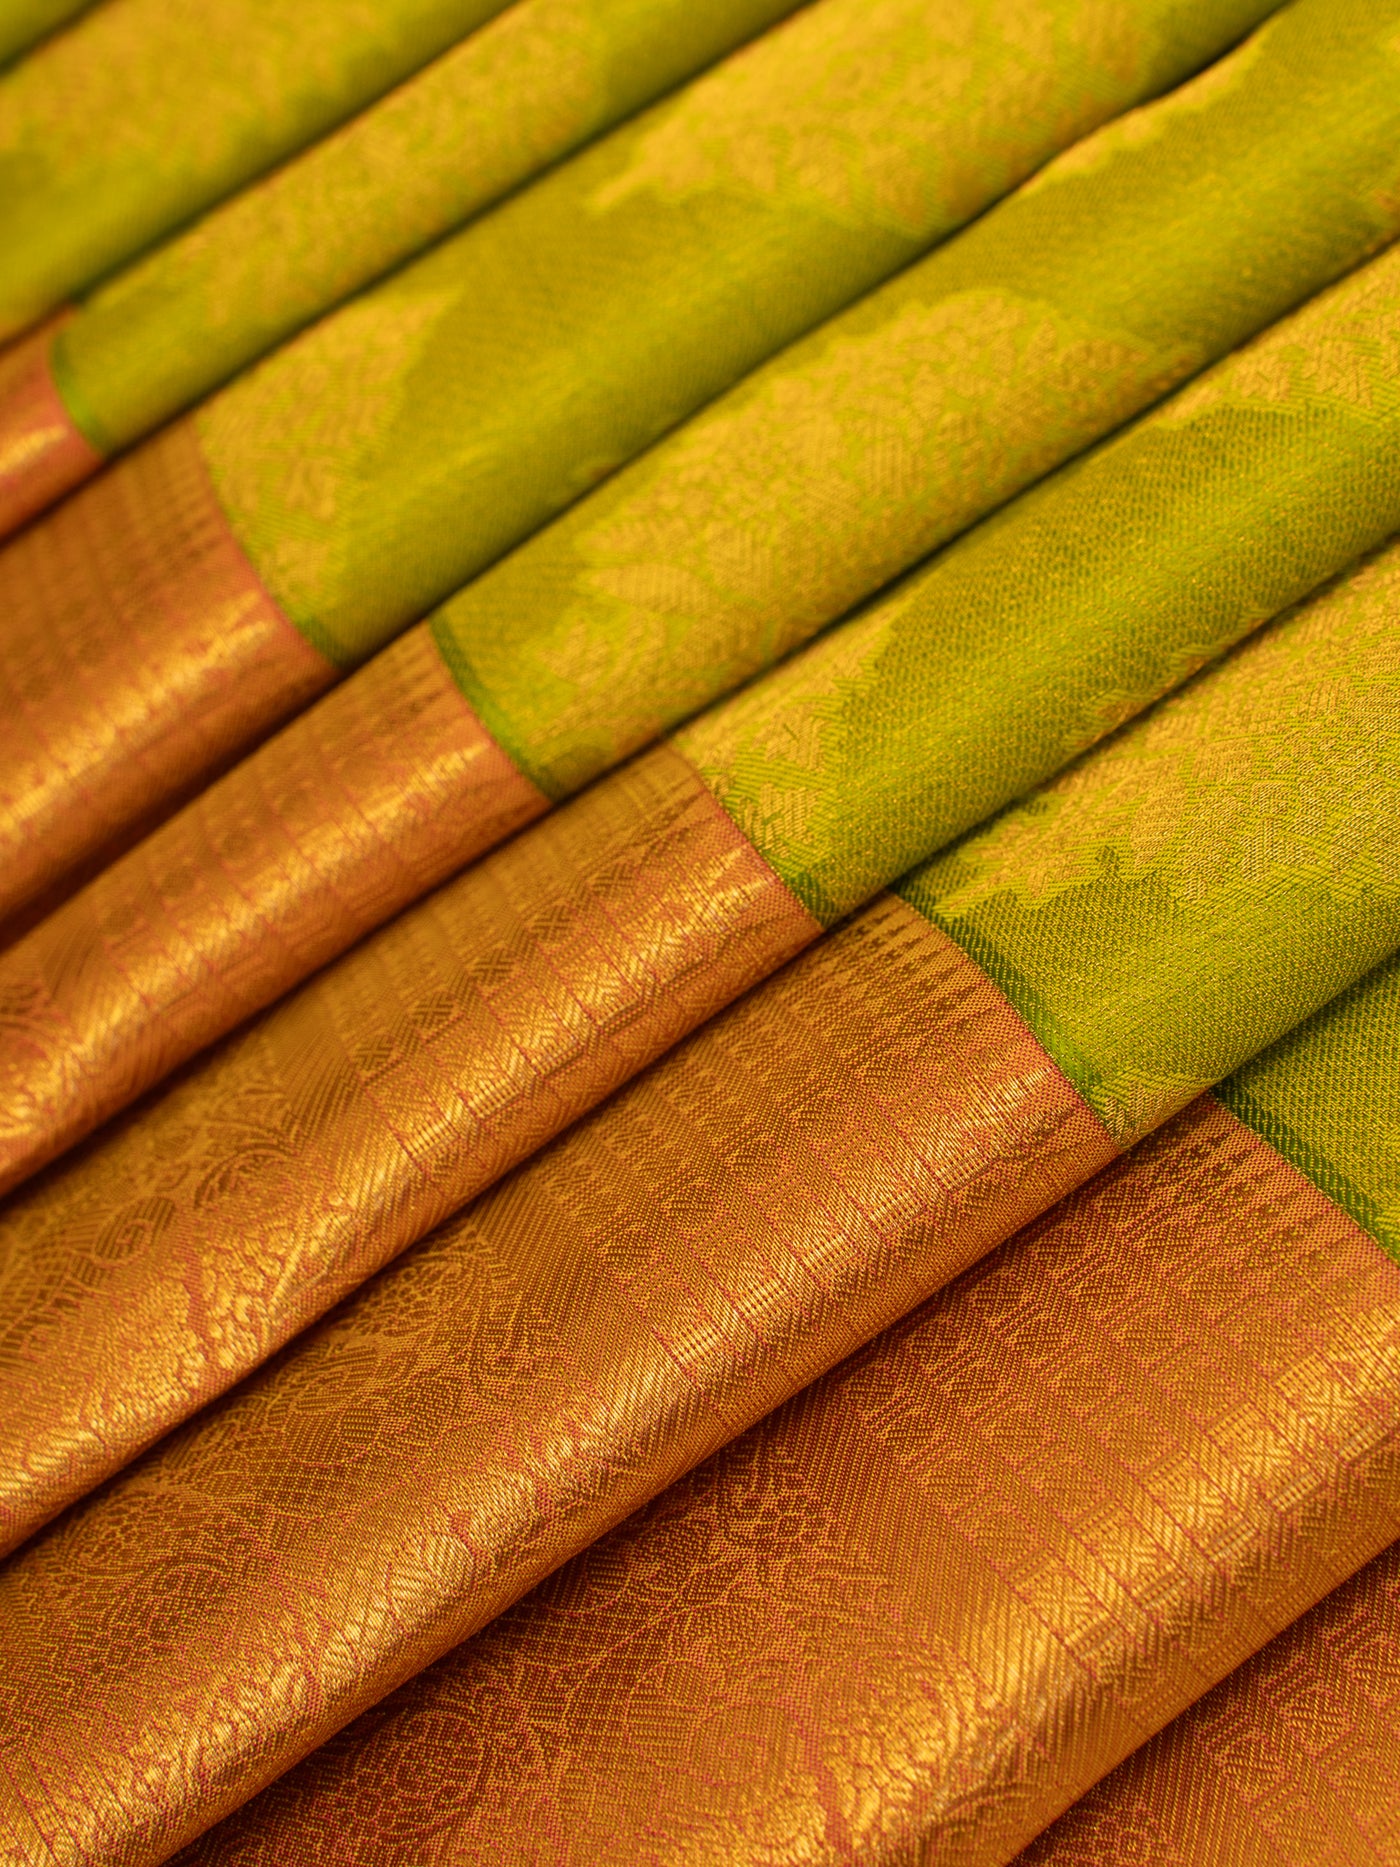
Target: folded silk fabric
x,y
794,1178
919,1609
25,21
532,85
1124,265
166,1261
179,607
1290,1762
146,111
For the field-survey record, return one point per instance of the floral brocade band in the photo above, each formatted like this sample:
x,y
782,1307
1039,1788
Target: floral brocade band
x,y
381,792
194,1239
934,1598
1159,914
1293,1758
685,572
789,1181
700,935
1184,1379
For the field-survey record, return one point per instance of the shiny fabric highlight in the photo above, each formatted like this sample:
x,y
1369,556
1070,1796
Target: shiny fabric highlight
x,y
689,567
146,1276
445,1423
794,1177
924,1606
1292,1761
387,454
141,653
375,796
43,454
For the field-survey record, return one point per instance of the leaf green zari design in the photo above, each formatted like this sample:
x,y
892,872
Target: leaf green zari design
x,y
1073,608
533,85
1130,261
143,114
1204,881
395,449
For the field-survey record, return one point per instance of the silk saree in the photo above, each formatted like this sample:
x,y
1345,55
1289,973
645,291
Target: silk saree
x,y
740,1202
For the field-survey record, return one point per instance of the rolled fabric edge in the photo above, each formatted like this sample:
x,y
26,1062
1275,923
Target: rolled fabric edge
x,y
810,1165
43,452
142,654
386,1093
369,799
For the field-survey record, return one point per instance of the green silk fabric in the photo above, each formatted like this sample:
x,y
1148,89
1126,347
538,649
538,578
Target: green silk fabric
x,y
1129,262
1206,879
534,84
1328,1098
101,151
1073,608
397,448
22,22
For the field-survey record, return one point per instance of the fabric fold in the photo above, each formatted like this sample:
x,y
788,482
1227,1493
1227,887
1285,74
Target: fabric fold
x,y
169,653
616,1312
705,884
142,114
805,1169
1290,1762
916,1611
525,90
43,452
183,1248
365,1109
1293,1758
845,766
393,450
28,21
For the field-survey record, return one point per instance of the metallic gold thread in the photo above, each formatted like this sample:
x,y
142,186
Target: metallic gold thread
x,y
43,454
373,797
140,653
930,1601
806,1167
142,1279
1291,1761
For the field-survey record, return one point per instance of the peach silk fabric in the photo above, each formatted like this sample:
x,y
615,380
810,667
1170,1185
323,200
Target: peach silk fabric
x,y
141,650
801,1173
1292,1761
145,1276
389,786
925,1605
